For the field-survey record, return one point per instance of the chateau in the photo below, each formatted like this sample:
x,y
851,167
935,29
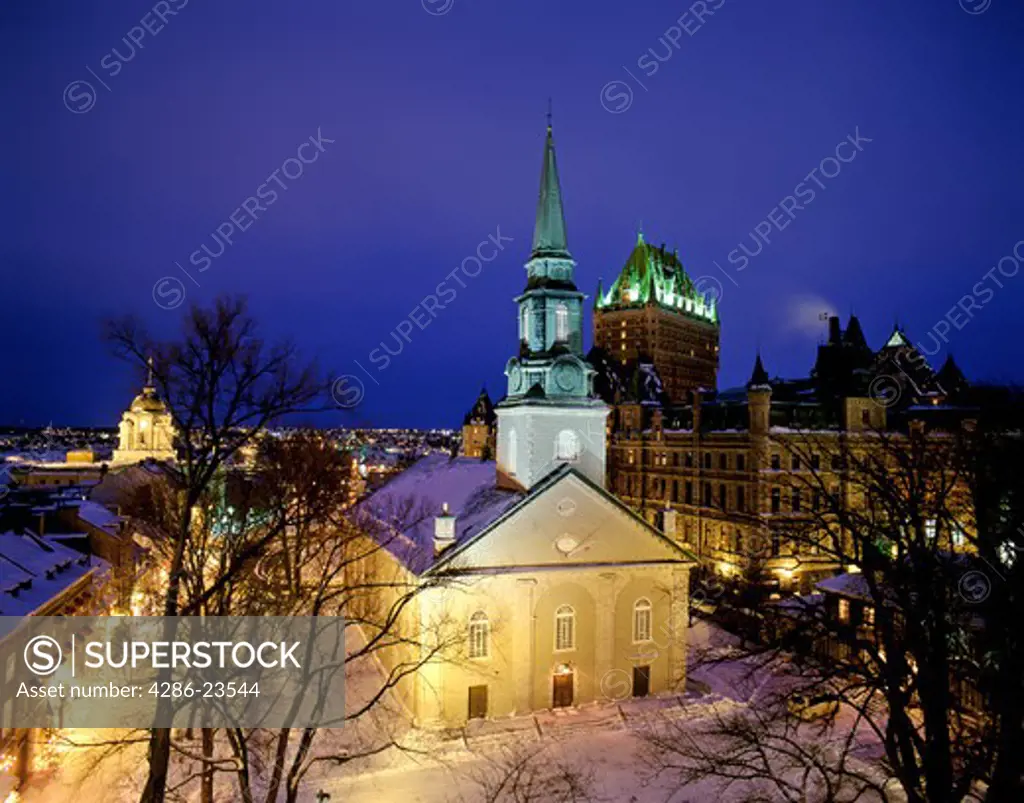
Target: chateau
x,y
534,586
721,471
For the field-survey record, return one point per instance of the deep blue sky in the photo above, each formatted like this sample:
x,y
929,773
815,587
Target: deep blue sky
x,y
438,122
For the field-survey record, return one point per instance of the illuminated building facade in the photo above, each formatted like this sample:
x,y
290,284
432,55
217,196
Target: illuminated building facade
x,y
721,474
146,430
654,312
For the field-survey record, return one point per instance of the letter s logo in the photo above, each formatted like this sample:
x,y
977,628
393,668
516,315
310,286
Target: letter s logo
x,y
43,655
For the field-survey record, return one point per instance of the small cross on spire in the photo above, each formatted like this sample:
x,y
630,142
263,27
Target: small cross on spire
x,y
549,114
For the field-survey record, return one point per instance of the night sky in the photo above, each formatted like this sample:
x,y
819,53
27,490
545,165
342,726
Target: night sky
x,y
438,125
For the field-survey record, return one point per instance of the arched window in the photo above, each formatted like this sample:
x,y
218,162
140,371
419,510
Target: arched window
x,y
513,454
565,628
642,620
524,323
567,445
562,323
479,636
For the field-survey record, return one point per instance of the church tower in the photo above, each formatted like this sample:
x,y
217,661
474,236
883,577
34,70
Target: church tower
x,y
146,430
551,415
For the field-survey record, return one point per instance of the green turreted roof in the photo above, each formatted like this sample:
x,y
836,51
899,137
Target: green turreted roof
x,y
655,275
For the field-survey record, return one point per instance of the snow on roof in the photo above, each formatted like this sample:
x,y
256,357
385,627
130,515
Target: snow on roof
x,y
847,585
409,503
99,516
35,570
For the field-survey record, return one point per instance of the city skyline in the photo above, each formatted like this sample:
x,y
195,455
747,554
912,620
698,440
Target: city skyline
x,y
906,229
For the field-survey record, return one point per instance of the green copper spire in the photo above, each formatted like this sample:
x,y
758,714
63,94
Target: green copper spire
x,y
549,230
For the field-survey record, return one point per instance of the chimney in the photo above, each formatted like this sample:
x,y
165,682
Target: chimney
x,y
669,522
444,530
834,332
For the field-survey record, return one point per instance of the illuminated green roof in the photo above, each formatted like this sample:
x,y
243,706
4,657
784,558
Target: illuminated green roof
x,y
656,276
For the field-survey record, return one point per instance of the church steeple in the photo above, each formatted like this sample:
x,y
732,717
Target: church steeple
x,y
550,415
549,238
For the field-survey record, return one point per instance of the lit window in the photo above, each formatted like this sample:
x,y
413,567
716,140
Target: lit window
x,y
869,615
567,445
561,323
642,617
844,610
512,456
958,535
479,635
565,628
930,529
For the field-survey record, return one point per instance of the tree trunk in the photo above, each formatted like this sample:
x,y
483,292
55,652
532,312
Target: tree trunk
x,y
279,754
206,790
160,738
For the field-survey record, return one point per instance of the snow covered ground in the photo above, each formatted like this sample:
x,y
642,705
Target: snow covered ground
x,y
597,745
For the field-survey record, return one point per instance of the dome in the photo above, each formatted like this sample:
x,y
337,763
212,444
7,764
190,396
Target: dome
x,y
148,402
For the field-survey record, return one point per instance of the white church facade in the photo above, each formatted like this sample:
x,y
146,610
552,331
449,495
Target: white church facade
x,y
534,587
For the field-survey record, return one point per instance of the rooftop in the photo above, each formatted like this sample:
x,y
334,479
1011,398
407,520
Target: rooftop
x,y
408,504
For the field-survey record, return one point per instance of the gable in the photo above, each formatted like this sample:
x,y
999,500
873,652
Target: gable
x,y
568,522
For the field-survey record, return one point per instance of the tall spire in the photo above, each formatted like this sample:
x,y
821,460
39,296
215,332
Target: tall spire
x,y
149,374
549,230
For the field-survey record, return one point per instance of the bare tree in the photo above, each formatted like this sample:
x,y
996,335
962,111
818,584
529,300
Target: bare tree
x,y
926,667
530,773
223,386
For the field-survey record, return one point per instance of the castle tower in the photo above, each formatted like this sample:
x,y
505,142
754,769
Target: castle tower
x,y
478,430
551,415
146,429
655,312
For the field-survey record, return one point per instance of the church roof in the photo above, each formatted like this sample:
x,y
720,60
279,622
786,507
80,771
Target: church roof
x,y
654,275
549,238
400,516
408,504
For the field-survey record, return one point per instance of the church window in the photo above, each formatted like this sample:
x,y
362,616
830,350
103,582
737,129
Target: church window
x,y
479,635
567,445
565,628
512,457
562,323
642,619
524,322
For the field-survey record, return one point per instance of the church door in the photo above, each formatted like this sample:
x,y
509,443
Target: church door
x,y
641,681
561,696
477,702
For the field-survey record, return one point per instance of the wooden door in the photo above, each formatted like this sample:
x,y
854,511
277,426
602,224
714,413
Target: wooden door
x,y
477,702
641,681
561,696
